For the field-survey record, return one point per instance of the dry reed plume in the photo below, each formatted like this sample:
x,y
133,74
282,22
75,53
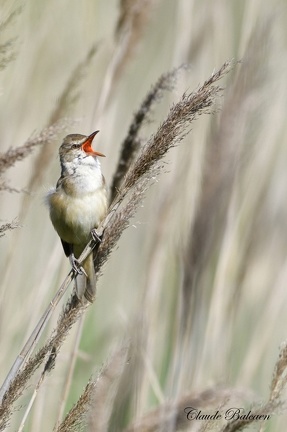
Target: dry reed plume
x,y
193,305
140,174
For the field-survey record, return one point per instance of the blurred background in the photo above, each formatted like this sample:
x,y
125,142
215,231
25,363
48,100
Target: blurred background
x,y
198,281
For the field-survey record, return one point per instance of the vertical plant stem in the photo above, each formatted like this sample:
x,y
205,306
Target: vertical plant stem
x,y
70,372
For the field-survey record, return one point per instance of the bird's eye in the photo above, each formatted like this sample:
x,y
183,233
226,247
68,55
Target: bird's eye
x,y
74,146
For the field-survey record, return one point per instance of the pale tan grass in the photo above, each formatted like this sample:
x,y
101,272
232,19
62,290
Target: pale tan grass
x,y
242,265
134,187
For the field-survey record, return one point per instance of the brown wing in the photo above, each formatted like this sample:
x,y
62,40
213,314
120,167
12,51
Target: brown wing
x,y
59,182
67,248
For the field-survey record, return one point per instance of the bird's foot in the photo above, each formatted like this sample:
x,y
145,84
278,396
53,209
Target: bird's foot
x,y
76,266
97,235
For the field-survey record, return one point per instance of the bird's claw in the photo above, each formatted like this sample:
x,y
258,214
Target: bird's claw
x,y
96,235
76,266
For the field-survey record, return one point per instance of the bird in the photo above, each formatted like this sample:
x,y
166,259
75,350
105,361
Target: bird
x,y
78,204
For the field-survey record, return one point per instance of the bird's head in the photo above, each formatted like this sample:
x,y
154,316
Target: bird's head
x,y
76,147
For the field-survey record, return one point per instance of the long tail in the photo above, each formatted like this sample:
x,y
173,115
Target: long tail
x,y
86,286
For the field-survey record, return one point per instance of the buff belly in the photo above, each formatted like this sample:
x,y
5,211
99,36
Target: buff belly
x,y
74,217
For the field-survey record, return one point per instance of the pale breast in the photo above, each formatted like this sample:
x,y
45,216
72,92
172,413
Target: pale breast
x,y
75,215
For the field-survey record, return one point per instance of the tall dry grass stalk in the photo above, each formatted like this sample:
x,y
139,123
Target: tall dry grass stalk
x,y
190,305
145,168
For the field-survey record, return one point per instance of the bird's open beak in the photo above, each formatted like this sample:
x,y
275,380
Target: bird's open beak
x,y
87,145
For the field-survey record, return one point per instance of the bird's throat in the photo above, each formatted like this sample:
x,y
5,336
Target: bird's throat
x,y
81,178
